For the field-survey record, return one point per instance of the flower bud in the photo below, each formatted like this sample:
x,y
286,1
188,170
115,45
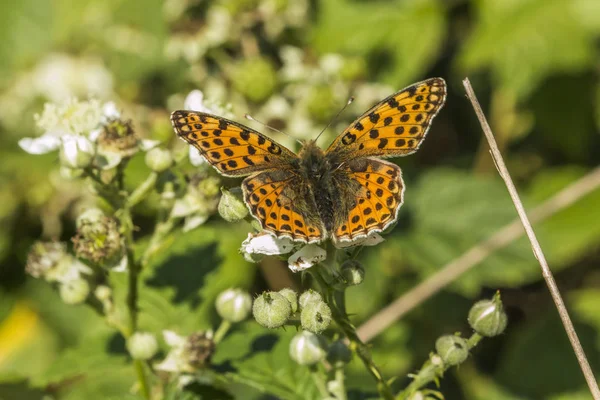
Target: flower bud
x,y
142,345
315,316
291,296
322,103
452,349
76,151
255,79
352,272
234,305
338,352
309,296
158,160
45,256
99,241
306,348
231,205
74,291
271,310
487,317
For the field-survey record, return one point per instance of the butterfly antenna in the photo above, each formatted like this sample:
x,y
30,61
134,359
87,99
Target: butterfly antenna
x,y
247,116
350,100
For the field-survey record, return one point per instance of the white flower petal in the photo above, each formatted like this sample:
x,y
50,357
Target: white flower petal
x,y
196,159
306,257
147,144
371,240
121,266
41,145
195,102
110,111
77,151
173,339
264,243
194,221
107,160
169,364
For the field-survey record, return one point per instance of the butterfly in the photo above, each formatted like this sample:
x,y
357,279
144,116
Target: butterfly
x,y
345,192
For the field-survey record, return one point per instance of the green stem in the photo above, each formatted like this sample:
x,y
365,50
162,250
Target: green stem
x,y
336,301
158,236
433,369
319,381
141,375
340,389
141,192
221,331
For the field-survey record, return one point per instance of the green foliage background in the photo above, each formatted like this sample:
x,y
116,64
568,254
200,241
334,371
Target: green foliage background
x,y
535,66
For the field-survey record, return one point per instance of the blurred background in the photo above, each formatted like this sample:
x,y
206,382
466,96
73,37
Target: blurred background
x,y
535,65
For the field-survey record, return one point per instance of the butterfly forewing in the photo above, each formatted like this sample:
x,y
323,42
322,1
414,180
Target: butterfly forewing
x,y
377,201
232,148
396,126
275,200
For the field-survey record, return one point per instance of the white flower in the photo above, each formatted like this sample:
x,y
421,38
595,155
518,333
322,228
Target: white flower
x,y
175,360
372,239
66,124
264,243
77,151
306,257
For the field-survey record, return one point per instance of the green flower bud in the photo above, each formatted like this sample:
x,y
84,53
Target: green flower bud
x,y
234,305
99,241
74,291
209,186
306,348
315,316
255,78
487,317
271,310
452,349
44,257
291,296
142,345
158,160
309,296
322,103
231,205
352,272
338,352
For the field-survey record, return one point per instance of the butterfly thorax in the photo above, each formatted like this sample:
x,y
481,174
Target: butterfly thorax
x,y
318,171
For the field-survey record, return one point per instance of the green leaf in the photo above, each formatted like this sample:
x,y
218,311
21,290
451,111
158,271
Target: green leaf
x,y
409,33
260,360
523,42
454,210
179,290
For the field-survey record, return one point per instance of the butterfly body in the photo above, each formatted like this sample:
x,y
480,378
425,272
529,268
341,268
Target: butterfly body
x,y
344,192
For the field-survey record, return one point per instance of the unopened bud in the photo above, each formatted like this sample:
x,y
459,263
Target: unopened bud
x,y
309,296
352,272
315,316
158,159
487,317
231,205
452,349
271,310
142,346
292,297
234,305
74,291
306,348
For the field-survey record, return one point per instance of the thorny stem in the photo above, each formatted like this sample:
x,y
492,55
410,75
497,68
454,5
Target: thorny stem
x,y
336,299
537,250
433,369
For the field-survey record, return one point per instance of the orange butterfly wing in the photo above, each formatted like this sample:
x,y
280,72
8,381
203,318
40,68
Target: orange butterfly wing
x,y
396,126
275,200
231,148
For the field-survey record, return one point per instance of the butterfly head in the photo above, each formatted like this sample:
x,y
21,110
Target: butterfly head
x,y
313,162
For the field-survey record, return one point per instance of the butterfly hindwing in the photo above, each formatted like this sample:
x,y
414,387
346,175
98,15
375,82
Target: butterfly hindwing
x,y
377,201
273,198
232,148
396,126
